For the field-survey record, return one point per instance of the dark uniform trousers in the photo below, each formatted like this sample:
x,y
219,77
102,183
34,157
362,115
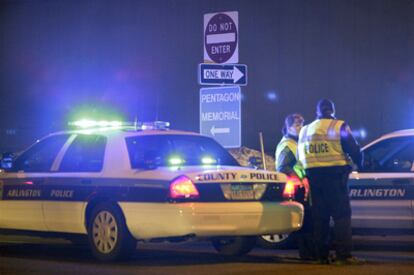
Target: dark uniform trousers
x,y
304,236
329,192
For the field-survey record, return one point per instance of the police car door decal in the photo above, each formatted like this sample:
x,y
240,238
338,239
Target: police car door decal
x,y
20,204
382,201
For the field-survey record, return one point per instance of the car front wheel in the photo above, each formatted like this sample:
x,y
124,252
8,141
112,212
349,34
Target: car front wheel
x,y
277,241
234,246
108,234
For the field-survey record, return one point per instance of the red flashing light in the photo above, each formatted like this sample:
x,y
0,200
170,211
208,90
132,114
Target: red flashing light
x,y
292,183
183,188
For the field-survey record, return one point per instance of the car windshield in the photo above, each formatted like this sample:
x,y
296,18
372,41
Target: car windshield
x,y
176,150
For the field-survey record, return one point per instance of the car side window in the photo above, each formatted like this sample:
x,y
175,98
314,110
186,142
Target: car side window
x,y
390,155
85,154
146,148
40,157
401,161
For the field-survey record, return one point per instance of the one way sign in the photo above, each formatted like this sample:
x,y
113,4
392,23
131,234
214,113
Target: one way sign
x,y
217,74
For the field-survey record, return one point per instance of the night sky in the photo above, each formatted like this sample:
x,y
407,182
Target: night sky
x,y
140,58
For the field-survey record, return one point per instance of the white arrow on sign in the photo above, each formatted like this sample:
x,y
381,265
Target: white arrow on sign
x,y
215,130
235,74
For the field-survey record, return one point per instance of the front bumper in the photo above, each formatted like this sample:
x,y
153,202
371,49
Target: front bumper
x,y
162,220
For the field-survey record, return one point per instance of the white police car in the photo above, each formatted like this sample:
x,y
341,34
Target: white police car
x,y
117,185
381,192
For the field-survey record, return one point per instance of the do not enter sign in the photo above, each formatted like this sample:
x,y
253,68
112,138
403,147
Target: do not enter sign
x,y
221,37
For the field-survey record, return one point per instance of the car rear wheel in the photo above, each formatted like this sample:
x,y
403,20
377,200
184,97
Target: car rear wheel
x,y
108,235
234,246
277,241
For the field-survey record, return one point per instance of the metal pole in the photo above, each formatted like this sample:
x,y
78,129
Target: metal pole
x,y
262,149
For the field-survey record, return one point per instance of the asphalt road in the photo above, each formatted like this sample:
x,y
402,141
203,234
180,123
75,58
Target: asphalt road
x,y
39,256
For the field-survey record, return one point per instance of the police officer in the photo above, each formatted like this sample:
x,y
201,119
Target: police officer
x,y
286,162
285,154
326,148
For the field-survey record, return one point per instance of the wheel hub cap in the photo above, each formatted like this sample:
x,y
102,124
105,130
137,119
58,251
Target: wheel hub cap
x,y
105,232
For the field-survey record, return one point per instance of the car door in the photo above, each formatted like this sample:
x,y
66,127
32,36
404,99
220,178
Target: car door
x,y
382,191
74,179
23,185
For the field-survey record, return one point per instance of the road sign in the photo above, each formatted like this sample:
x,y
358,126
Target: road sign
x,y
221,37
220,115
217,74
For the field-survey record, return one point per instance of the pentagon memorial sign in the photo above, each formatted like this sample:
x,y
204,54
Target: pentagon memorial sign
x,y
220,115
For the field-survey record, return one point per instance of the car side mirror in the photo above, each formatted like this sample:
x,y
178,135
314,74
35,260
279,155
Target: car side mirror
x,y
7,160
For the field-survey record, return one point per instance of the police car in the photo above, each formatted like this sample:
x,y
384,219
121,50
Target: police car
x,y
119,184
381,191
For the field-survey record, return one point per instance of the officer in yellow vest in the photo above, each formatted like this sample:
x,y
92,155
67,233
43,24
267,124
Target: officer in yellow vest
x,y
285,154
326,148
286,162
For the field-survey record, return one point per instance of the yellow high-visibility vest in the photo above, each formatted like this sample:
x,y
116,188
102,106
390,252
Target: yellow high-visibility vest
x,y
285,142
292,145
320,144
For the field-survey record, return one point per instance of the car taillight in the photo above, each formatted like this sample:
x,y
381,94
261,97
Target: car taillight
x,y
183,188
291,185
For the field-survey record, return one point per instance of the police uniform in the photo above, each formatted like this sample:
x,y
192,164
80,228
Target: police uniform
x,y
286,162
325,148
285,156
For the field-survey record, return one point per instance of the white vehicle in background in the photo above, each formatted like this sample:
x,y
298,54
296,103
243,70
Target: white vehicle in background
x,y
381,192
117,184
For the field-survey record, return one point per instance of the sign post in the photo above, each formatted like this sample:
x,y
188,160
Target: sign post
x,y
220,115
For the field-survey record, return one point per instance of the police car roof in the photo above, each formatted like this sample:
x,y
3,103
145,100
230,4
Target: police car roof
x,y
406,132
400,133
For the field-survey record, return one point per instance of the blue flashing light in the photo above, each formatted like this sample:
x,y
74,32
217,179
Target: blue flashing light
x,y
363,133
359,133
86,124
155,125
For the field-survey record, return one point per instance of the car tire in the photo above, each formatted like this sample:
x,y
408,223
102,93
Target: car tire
x,y
108,235
234,246
277,241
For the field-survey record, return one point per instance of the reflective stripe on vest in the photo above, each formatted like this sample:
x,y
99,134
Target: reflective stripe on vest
x,y
285,142
292,145
320,144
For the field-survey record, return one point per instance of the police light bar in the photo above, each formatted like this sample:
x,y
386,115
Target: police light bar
x,y
89,124
155,125
86,123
